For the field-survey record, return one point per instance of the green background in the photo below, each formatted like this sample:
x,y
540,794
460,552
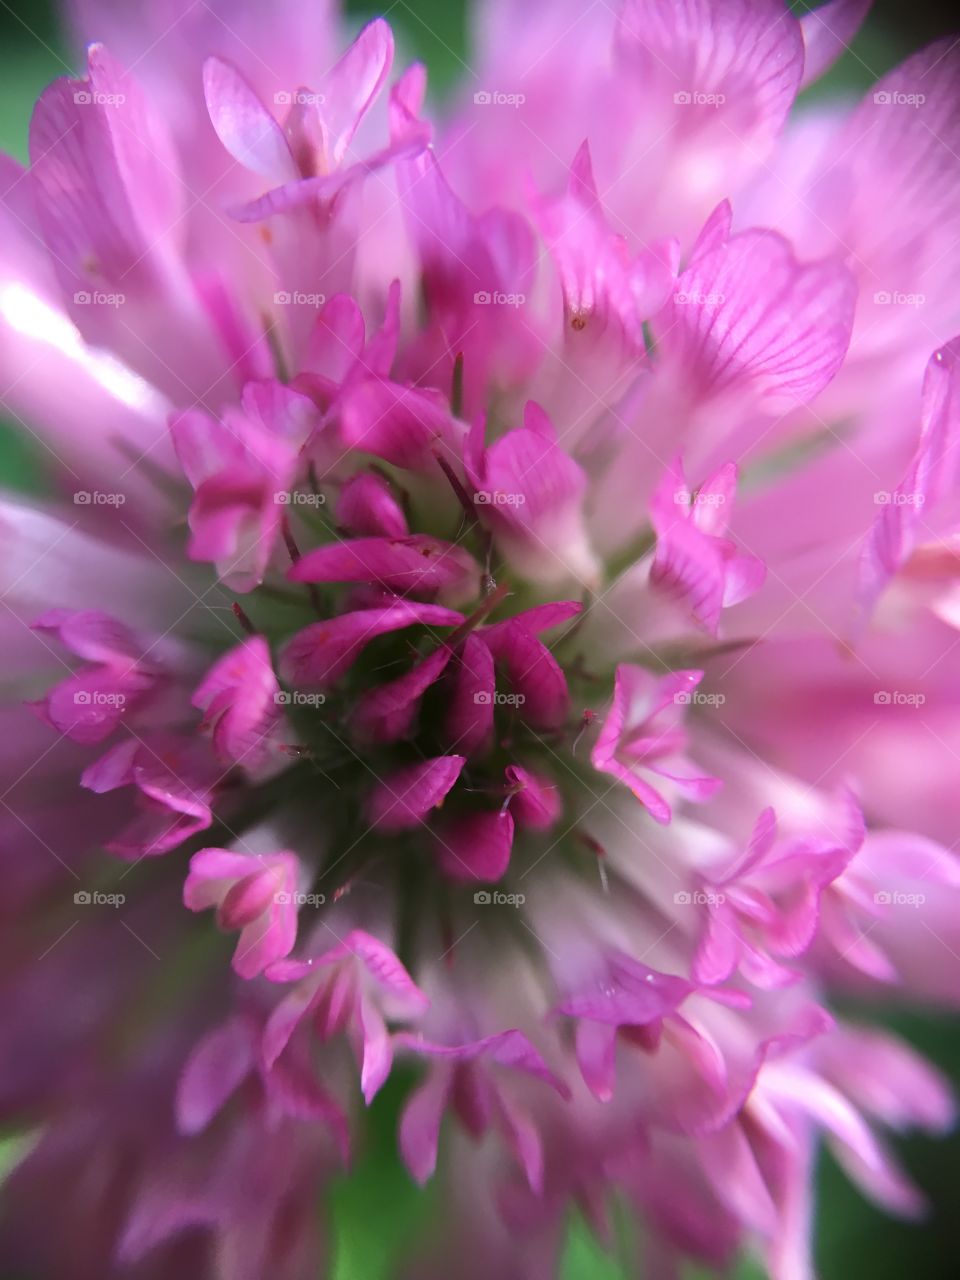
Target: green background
x,y
376,1210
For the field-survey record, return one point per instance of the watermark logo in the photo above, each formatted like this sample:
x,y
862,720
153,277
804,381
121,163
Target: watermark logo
x,y
694,98
699,898
295,698
88,498
695,698
94,898
886,98
93,98
495,98
485,298
898,698
298,498
298,899
897,298
95,298
485,699
496,898
684,299
895,498
691,498
299,98
98,698
299,299
895,898
497,498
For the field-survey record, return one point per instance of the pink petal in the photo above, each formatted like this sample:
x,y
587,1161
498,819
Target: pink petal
x,y
405,797
537,804
932,473
475,846
535,675
244,125
469,723
402,425
216,1068
386,713
336,340
418,564
367,508
240,696
353,84
748,53
323,652
827,34
420,1123
749,314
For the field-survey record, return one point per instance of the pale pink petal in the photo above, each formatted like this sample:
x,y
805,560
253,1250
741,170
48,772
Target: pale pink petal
x,y
244,125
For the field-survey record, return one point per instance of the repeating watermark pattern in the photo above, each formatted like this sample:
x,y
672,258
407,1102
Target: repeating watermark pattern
x,y
297,298
96,298
486,298
896,898
497,898
298,899
94,898
695,98
692,498
299,498
897,298
699,898
898,698
684,299
484,699
695,698
886,98
895,498
299,98
296,698
98,698
497,498
497,98
96,498
94,98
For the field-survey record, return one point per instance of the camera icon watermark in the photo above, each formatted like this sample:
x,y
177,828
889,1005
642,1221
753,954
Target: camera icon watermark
x,y
97,298
692,498
298,498
898,698
497,498
94,898
694,98
685,299
98,698
896,898
299,98
888,98
94,498
699,898
898,298
93,98
696,698
497,898
483,698
297,899
297,298
895,498
497,298
297,698
495,98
